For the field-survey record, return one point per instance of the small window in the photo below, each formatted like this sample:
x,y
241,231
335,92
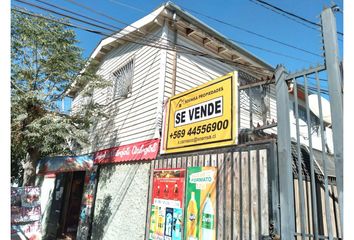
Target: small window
x,y
122,80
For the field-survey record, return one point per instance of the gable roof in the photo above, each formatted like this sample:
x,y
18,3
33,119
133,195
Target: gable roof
x,y
191,28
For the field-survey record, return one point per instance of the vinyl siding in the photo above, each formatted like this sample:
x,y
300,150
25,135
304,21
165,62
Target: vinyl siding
x,y
134,118
193,71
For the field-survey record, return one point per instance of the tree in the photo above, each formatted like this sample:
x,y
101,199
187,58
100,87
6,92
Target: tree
x,y
45,62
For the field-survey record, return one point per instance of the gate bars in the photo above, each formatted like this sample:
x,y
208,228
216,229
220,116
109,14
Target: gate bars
x,y
321,216
247,188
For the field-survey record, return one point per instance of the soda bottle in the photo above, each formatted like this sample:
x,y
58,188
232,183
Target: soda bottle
x,y
192,213
208,220
153,222
166,190
161,221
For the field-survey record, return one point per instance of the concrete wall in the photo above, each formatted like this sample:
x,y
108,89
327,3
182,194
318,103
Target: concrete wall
x,y
121,202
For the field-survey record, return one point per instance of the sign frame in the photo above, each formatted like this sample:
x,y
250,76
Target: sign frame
x,y
230,102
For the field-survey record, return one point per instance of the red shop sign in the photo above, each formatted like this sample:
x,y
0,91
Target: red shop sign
x,y
145,150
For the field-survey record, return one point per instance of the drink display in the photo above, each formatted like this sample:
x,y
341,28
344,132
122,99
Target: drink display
x,y
166,215
153,220
192,218
208,220
161,221
201,198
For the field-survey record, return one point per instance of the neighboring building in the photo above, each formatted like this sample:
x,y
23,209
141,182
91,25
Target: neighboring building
x,y
145,71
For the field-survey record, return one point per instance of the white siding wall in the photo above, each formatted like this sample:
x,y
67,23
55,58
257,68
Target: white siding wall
x,y
303,132
193,71
134,118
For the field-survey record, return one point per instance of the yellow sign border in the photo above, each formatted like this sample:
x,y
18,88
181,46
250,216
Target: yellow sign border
x,y
201,146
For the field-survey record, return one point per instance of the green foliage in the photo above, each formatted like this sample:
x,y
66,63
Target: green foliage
x,y
45,64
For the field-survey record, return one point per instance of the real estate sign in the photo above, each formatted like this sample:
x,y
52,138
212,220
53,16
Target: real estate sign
x,y
203,117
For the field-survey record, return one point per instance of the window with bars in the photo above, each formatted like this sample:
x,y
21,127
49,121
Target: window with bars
x,y
122,80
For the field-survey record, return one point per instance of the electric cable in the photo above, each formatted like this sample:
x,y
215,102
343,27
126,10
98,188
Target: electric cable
x,y
254,33
230,25
287,13
240,65
143,38
245,44
86,22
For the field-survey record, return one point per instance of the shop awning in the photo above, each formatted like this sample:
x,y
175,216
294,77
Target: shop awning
x,y
144,150
65,164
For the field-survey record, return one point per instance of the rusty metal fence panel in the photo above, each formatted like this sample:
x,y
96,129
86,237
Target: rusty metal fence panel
x,y
247,200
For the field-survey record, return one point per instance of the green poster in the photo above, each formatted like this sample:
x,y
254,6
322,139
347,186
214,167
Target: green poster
x,y
200,217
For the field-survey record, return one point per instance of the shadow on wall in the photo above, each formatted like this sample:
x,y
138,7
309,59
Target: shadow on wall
x,y
106,174
101,219
105,130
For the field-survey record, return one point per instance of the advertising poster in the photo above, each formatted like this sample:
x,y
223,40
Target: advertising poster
x,y
25,213
87,204
200,217
202,117
166,219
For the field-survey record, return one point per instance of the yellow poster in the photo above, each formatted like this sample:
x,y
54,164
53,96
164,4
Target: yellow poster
x,y
203,117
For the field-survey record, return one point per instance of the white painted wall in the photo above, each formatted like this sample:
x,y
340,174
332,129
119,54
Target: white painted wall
x,y
303,130
193,71
47,187
121,202
134,118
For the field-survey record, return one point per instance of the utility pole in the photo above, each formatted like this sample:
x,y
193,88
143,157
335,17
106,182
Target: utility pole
x,y
329,34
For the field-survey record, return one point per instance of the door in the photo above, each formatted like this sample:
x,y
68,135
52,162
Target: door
x,y
56,206
71,210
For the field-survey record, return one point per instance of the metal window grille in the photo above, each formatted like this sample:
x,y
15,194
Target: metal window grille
x,y
122,80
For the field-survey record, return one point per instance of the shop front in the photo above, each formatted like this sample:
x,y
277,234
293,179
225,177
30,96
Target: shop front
x,y
122,190
70,197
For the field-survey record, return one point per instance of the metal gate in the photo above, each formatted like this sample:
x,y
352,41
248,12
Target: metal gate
x,y
311,189
247,191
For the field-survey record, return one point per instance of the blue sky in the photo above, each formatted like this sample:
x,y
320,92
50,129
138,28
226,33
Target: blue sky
x,y
243,13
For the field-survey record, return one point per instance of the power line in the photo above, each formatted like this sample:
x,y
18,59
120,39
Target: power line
x,y
279,10
118,20
115,29
289,13
75,13
254,33
263,49
245,44
231,25
63,15
270,51
240,65
127,5
83,21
